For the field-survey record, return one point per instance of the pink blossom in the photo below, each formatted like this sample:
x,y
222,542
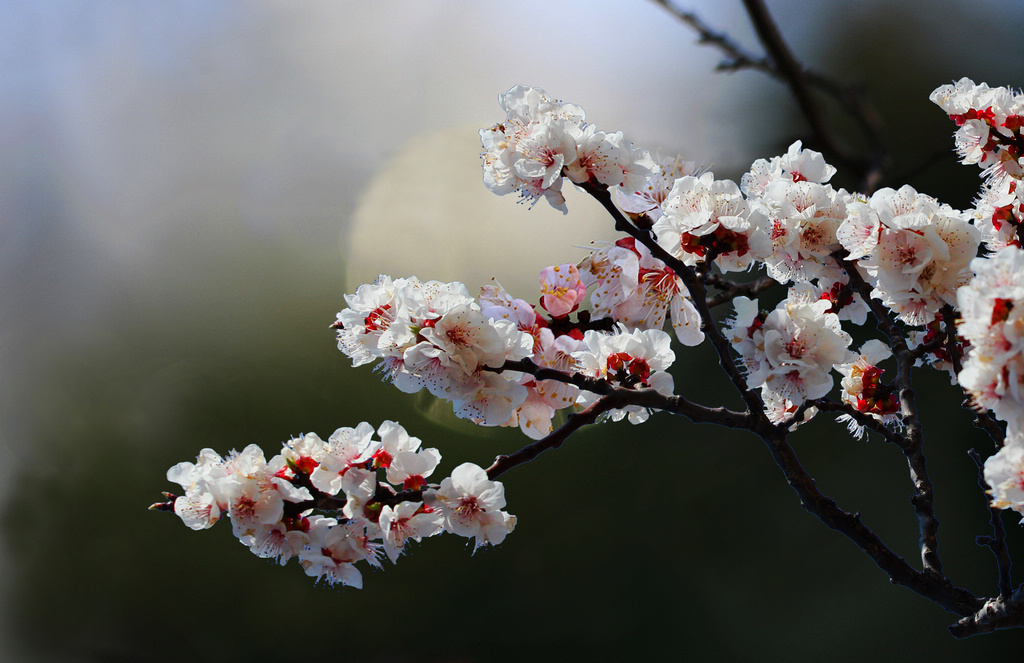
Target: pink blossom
x,y
561,289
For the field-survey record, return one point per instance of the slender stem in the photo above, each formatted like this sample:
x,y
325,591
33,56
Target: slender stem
x,y
793,74
641,397
698,295
731,290
997,542
865,420
553,440
929,585
924,494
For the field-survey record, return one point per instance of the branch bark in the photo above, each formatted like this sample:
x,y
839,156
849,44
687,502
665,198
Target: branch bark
x,y
924,494
998,613
698,295
930,585
997,542
555,439
782,65
641,397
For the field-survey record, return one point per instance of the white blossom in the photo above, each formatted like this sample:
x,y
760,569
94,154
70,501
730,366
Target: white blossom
x,y
705,217
472,505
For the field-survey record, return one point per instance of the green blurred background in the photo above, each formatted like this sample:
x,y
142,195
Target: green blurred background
x,y
187,190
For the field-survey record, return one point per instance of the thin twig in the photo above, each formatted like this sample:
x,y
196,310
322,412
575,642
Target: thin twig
x,y
851,99
641,397
553,440
930,585
731,291
997,542
924,494
865,420
698,294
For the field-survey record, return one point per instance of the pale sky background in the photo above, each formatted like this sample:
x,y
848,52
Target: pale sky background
x,y
134,134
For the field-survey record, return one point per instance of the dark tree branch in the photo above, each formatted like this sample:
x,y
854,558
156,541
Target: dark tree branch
x,y
698,295
783,66
995,614
789,69
949,322
865,420
930,585
641,397
584,382
792,72
927,348
984,421
997,542
736,57
387,497
796,78
924,494
555,439
731,290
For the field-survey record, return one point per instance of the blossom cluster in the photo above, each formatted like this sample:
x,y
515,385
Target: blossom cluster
x,y
913,251
785,215
803,213
435,336
543,140
639,291
863,389
790,352
705,218
503,361
989,134
991,304
271,503
992,307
